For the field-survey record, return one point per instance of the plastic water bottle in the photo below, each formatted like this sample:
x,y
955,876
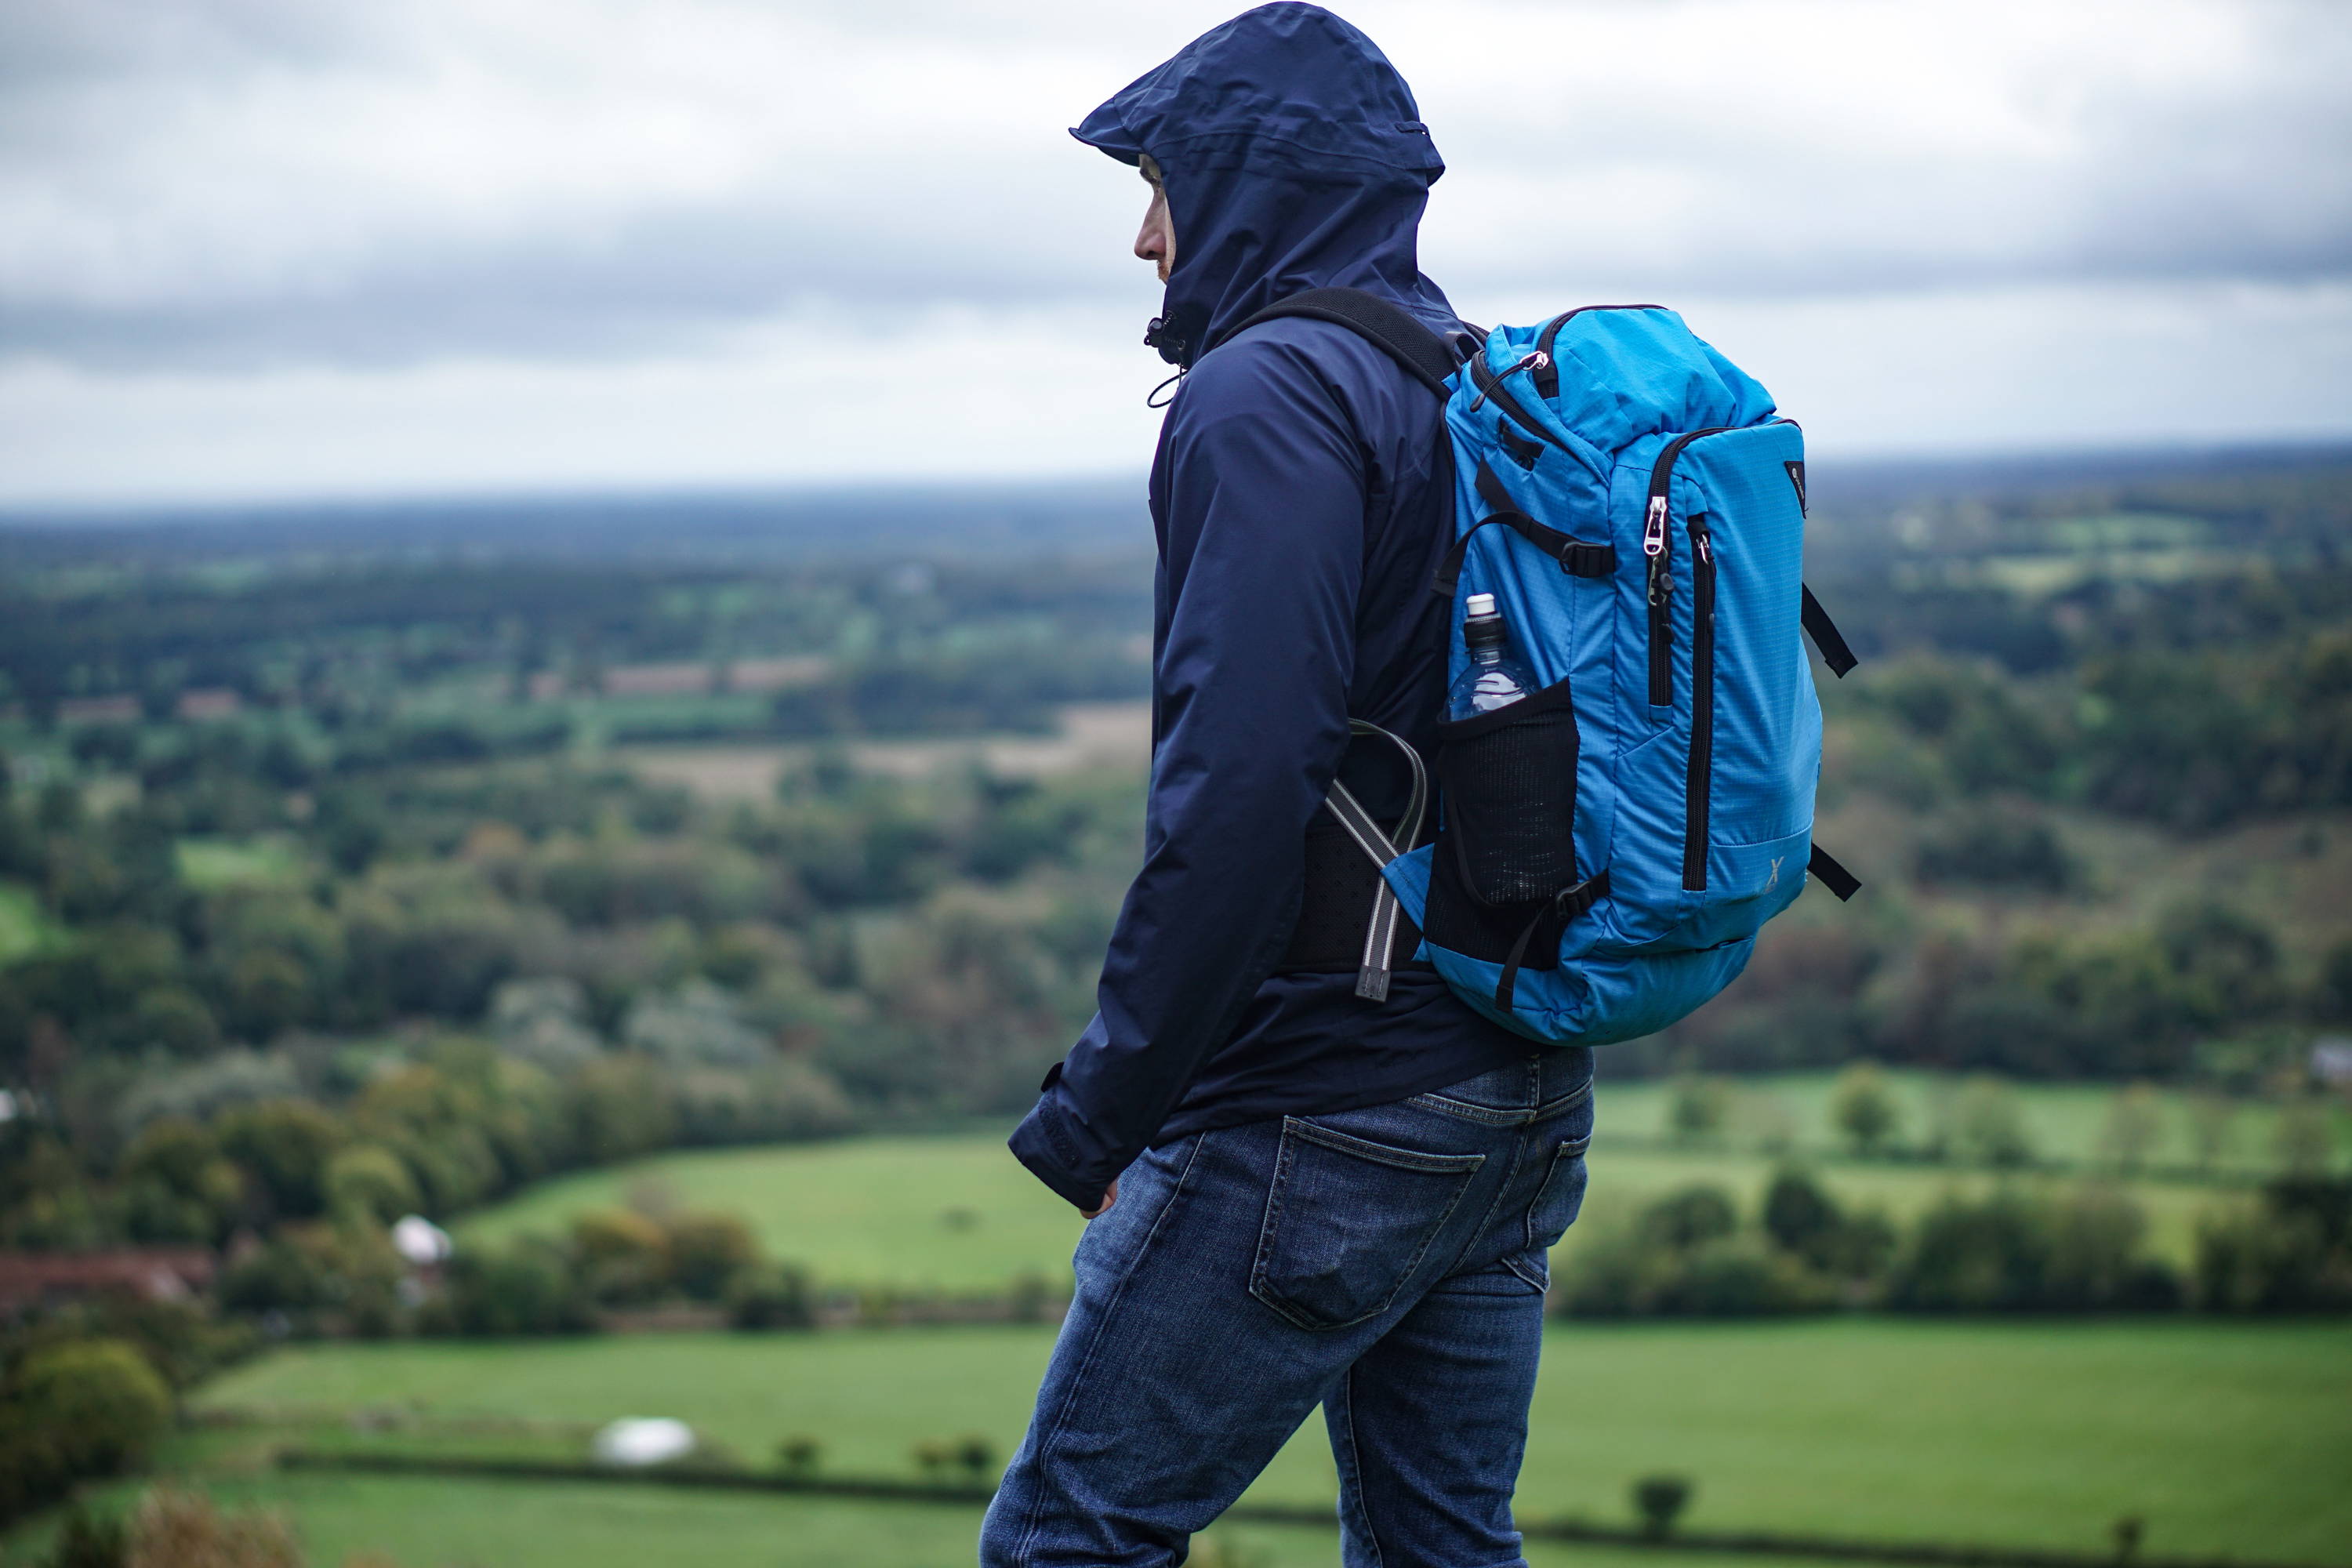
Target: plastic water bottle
x,y
1494,679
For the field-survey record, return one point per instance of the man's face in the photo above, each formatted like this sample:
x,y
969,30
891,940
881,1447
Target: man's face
x,y
1156,242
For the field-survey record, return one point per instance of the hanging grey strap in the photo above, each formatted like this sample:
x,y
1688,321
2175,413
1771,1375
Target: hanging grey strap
x,y
1379,935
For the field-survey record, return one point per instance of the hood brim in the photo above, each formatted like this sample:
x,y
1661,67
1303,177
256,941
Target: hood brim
x,y
1106,133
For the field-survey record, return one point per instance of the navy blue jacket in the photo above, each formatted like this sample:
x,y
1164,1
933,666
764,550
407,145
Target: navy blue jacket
x,y
1300,508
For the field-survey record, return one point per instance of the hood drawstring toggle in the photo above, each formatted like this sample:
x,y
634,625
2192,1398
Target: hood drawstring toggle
x,y
1162,335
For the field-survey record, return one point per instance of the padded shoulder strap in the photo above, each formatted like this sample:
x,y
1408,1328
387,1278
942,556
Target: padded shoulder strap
x,y
1382,322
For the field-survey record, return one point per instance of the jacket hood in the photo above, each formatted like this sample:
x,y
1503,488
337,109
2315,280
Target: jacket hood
x,y
1293,158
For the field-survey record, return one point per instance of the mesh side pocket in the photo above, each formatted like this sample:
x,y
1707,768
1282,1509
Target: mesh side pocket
x,y
1507,843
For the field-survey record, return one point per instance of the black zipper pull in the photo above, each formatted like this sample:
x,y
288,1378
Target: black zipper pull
x,y
1534,360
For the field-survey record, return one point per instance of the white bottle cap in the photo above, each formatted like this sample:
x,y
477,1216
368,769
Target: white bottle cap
x,y
1479,605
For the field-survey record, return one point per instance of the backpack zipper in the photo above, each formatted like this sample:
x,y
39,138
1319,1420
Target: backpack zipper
x,y
1548,373
1654,547
1660,591
1700,776
1490,386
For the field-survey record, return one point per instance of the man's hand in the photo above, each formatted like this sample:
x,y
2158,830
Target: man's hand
x,y
1110,1196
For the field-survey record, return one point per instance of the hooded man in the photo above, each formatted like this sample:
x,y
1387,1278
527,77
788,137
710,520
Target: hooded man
x,y
1298,1194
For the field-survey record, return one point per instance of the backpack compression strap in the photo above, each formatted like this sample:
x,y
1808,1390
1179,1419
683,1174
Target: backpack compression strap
x,y
1826,636
1577,557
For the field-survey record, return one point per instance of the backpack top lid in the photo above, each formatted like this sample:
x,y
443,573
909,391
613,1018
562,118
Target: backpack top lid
x,y
1618,373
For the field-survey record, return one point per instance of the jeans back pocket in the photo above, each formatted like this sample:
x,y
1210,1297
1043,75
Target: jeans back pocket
x,y
1348,1221
1558,1200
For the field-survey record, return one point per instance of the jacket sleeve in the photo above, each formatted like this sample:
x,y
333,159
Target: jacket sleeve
x,y
1264,498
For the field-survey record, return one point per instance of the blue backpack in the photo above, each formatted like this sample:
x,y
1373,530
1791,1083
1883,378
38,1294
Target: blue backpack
x,y
1608,847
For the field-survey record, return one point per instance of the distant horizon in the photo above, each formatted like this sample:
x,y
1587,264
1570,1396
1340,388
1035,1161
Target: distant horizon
x,y
195,511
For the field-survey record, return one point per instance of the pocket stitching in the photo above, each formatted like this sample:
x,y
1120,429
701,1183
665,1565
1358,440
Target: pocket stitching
x,y
1381,1154
1573,1149
1286,1157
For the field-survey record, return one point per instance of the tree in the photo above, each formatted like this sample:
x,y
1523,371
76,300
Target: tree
x,y
1696,1109
706,1251
1659,1501
770,1296
268,991
175,1018
977,1454
1863,1107
2334,999
1689,1216
284,1145
175,1185
1993,1255
1798,1216
369,1180
96,1406
528,1288
623,1256
1989,1123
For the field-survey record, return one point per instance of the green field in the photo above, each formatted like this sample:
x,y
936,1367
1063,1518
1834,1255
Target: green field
x,y
946,1213
24,930
958,1213
438,1523
2228,1439
2063,1121
207,863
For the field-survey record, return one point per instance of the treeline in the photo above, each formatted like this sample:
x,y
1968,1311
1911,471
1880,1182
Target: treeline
x,y
87,1389
347,639
435,1137
2207,990
631,969
2192,738
1692,1253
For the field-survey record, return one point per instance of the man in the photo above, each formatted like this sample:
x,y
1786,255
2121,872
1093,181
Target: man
x,y
1297,1195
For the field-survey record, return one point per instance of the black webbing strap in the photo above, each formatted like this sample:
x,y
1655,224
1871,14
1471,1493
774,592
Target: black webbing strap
x,y
1826,637
1386,324
1832,876
1577,557
1563,908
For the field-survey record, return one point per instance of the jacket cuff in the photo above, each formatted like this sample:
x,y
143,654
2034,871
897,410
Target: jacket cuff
x,y
1044,1144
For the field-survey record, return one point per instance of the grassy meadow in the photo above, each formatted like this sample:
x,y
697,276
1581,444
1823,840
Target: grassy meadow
x,y
2228,1440
957,1213
450,1523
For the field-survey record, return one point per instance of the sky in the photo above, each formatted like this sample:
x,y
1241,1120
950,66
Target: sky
x,y
285,248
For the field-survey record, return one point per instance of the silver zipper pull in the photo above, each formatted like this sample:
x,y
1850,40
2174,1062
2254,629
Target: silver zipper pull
x,y
1706,550
1654,530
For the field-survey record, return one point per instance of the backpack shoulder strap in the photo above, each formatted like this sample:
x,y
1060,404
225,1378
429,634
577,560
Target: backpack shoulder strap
x,y
1383,322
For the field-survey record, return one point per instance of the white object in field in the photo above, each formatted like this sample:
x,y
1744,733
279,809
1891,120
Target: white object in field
x,y
644,1440
419,1241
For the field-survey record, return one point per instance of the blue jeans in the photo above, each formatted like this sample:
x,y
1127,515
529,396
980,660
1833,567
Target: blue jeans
x,y
1386,1263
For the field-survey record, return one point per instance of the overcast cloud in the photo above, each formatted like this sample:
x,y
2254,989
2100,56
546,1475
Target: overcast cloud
x,y
264,247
